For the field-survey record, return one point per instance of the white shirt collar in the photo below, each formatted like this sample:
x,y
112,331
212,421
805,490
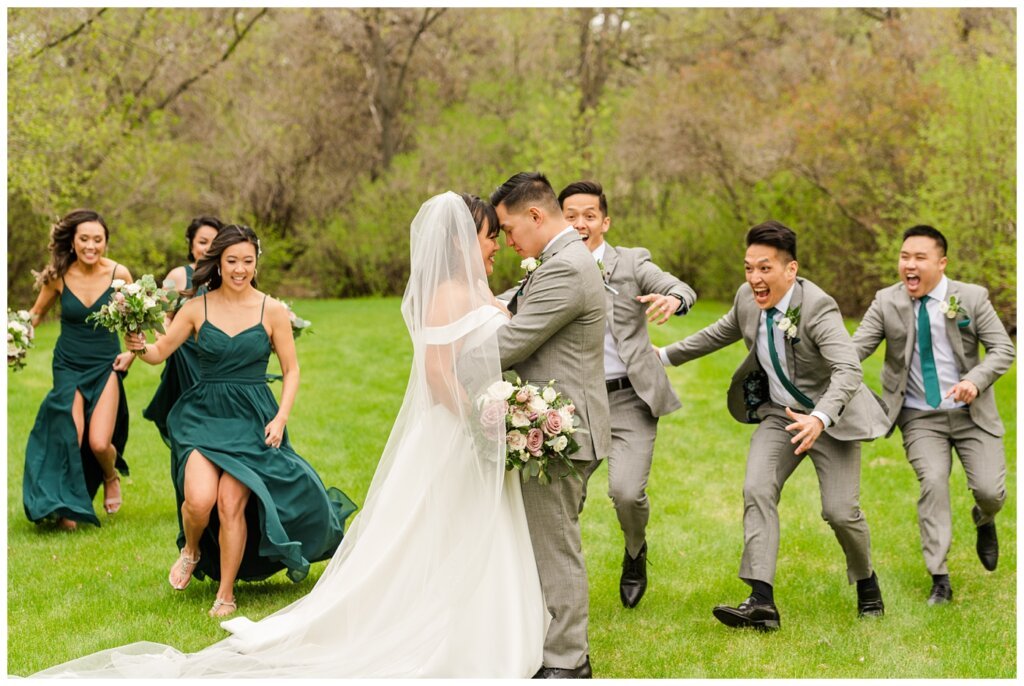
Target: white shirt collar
x,y
939,292
599,252
559,235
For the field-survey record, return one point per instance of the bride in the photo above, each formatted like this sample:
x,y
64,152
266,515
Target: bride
x,y
436,576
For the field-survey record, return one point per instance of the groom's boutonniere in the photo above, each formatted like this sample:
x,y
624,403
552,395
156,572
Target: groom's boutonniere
x,y
789,322
530,264
953,308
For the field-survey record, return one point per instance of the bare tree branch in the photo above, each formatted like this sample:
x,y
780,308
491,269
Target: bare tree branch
x,y
68,36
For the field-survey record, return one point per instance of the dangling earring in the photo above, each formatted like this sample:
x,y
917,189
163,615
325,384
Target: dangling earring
x,y
218,270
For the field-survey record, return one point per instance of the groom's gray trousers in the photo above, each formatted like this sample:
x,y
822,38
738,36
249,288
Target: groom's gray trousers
x,y
770,463
555,508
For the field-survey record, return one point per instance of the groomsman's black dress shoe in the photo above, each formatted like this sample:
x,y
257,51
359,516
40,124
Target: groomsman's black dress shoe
x,y
942,593
634,577
869,602
581,672
988,544
760,616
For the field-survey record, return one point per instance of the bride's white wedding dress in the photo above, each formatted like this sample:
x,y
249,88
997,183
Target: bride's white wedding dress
x,y
436,575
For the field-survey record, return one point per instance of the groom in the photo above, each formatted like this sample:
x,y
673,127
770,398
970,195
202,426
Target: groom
x,y
801,384
557,332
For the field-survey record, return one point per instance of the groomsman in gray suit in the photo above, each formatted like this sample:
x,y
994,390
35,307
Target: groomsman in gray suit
x,y
939,392
557,332
636,291
800,357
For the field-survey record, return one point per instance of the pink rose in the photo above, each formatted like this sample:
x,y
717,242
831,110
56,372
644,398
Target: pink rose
x,y
534,441
522,396
571,408
553,423
493,413
119,297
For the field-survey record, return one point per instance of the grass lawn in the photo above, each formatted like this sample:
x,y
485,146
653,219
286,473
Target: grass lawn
x,y
72,594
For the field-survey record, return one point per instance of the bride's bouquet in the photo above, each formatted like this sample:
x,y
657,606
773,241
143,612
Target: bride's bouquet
x,y
20,333
539,425
135,307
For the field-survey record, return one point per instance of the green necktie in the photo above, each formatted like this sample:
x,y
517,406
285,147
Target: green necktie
x,y
786,383
932,393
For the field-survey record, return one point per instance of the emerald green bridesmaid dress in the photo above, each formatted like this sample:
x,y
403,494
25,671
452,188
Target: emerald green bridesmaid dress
x,y
292,519
61,478
181,372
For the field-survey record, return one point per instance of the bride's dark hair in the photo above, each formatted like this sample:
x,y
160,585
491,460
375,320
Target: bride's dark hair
x,y
481,210
206,269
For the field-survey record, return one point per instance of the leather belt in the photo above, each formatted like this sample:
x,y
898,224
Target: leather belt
x,y
618,384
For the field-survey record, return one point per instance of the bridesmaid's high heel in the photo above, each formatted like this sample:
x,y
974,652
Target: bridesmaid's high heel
x,y
112,504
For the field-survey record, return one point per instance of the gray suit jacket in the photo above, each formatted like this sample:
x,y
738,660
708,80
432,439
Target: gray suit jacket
x,y
557,332
823,364
631,272
891,316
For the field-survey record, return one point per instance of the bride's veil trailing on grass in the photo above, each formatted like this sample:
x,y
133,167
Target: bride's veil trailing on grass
x,y
386,602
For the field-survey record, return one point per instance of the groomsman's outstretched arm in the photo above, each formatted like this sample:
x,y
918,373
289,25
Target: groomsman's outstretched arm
x,y
725,331
870,331
999,350
657,285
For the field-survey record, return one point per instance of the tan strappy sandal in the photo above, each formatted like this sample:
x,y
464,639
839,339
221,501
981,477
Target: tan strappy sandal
x,y
186,566
215,611
111,505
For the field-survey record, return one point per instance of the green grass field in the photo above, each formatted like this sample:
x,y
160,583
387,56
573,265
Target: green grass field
x,y
72,594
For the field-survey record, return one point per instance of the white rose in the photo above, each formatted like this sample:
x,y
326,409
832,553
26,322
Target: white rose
x,y
951,314
24,314
13,351
500,390
943,306
784,323
566,416
519,419
529,264
537,404
549,394
791,331
117,284
132,288
10,336
18,327
149,302
516,440
559,443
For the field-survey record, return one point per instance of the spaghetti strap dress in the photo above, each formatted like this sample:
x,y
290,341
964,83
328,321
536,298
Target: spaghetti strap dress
x,y
61,477
292,519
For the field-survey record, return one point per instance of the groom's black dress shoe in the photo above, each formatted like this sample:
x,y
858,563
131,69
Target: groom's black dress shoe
x,y
869,602
941,594
581,672
988,544
760,616
634,577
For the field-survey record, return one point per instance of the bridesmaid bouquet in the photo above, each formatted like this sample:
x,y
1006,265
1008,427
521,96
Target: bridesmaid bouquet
x,y
539,426
20,333
135,307
298,323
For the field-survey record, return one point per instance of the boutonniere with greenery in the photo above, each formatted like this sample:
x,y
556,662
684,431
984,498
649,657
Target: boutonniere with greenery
x,y
605,276
530,264
953,308
789,322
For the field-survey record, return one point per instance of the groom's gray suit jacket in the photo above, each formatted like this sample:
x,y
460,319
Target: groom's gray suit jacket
x,y
558,333
823,364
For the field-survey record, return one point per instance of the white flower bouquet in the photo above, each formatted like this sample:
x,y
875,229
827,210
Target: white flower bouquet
x,y
135,307
20,333
540,424
298,323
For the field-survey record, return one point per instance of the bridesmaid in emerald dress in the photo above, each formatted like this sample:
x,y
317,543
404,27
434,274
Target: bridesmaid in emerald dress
x,y
77,442
249,506
181,371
